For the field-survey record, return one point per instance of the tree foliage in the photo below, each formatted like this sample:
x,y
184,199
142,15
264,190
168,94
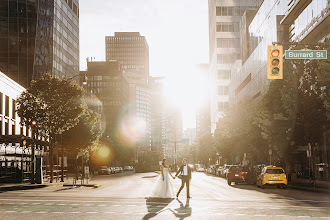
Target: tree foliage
x,y
56,104
84,135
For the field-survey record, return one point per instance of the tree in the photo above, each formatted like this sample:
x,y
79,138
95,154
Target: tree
x,y
56,104
84,135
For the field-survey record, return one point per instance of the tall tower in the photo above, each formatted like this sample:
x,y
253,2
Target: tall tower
x,y
131,50
38,37
224,44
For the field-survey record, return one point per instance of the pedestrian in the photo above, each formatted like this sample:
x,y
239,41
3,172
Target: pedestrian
x,y
185,174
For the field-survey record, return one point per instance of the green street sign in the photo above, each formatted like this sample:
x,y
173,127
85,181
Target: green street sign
x,y
305,54
165,141
184,141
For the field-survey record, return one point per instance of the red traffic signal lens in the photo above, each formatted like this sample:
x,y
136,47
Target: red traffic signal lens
x,y
275,53
275,62
275,71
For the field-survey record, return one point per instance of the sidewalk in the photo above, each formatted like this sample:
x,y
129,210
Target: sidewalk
x,y
305,184
68,182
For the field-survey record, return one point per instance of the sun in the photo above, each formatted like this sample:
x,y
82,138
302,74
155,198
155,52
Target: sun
x,y
188,90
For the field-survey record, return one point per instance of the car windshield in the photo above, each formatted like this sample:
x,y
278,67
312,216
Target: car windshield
x,y
274,171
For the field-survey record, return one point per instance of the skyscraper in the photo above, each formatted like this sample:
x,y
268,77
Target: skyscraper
x,y
107,84
131,50
37,37
224,44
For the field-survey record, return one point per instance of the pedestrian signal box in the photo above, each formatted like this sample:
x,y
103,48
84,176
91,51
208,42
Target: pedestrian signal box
x,y
275,62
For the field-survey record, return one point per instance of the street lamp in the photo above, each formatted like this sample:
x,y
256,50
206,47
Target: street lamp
x,y
33,127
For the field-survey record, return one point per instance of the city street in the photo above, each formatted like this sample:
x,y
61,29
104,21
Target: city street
x,y
123,196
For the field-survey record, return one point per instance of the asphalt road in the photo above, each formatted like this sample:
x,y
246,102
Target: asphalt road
x,y
123,196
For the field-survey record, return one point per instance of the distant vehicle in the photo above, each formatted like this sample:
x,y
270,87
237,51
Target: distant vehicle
x,y
238,174
218,171
128,168
112,169
210,169
272,175
199,168
121,169
214,171
104,170
224,170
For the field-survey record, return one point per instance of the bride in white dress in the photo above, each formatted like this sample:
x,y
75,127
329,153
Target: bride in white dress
x,y
163,187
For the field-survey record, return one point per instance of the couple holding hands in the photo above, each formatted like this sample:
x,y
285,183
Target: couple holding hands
x,y
163,187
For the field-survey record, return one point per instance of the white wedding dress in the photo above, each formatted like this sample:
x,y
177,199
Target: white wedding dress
x,y
162,189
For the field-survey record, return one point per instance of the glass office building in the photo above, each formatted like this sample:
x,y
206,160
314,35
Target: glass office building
x,y
299,21
39,36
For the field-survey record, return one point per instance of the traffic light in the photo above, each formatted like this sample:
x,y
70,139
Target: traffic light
x,y
23,141
275,62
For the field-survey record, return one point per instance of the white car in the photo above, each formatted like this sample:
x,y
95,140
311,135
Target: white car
x,y
200,169
128,168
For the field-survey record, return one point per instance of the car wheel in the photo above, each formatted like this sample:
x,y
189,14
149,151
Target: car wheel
x,y
284,186
229,182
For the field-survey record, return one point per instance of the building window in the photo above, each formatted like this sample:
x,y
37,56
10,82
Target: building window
x,y
223,74
7,106
6,128
1,104
223,106
224,11
225,59
14,109
227,27
223,90
228,43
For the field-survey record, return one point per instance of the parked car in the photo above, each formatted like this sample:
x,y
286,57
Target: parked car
x,y
218,171
200,168
214,171
104,170
128,168
112,169
272,175
238,174
225,170
210,169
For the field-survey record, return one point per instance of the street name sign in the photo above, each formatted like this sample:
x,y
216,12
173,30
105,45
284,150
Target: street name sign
x,y
305,54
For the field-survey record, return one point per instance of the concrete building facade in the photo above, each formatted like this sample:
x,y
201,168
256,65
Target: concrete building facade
x,y
224,49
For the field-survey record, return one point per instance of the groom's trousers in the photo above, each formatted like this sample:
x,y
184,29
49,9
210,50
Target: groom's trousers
x,y
185,180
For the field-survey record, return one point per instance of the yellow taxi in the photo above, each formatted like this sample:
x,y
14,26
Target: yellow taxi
x,y
272,175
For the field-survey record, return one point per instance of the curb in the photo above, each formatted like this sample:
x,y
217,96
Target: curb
x,y
85,185
22,187
309,189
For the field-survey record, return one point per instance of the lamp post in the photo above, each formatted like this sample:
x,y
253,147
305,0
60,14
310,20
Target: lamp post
x,y
33,126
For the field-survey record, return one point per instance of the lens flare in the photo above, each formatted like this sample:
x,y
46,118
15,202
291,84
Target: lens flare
x,y
104,152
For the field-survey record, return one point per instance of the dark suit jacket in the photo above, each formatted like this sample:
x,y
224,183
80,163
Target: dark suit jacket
x,y
181,171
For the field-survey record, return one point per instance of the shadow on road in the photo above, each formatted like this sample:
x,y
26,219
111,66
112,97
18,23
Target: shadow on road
x,y
150,176
20,187
156,206
183,211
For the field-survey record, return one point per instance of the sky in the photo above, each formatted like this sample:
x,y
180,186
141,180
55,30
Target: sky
x,y
176,32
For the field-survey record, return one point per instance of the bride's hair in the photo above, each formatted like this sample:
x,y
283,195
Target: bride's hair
x,y
163,161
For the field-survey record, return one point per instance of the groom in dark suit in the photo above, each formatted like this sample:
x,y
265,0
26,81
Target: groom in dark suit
x,y
185,171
